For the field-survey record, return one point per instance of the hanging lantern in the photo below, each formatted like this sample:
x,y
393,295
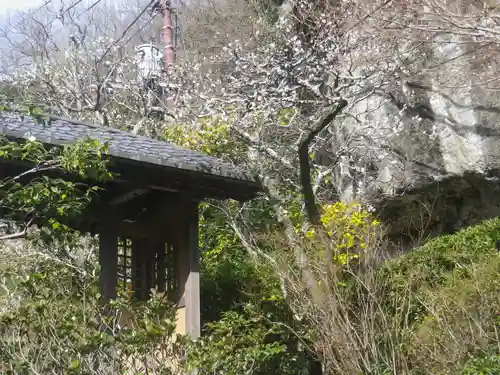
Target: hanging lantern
x,y
149,61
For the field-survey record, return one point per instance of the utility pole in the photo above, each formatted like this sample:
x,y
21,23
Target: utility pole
x,y
164,7
168,33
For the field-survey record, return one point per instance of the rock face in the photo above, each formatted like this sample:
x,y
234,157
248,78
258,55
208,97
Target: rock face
x,y
427,152
422,144
440,208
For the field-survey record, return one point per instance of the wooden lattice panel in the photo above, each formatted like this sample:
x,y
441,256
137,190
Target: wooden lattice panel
x,y
170,267
165,268
143,265
124,263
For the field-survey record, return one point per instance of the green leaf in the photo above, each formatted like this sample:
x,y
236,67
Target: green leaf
x,y
75,364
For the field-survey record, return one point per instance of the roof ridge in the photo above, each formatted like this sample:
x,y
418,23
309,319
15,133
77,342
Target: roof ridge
x,y
115,130
52,117
123,144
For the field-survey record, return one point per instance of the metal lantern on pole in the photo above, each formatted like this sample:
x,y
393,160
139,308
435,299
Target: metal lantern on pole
x,y
149,69
149,62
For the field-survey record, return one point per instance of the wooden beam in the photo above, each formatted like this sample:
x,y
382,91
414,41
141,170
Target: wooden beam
x,y
127,196
151,176
197,184
143,217
141,271
108,261
189,272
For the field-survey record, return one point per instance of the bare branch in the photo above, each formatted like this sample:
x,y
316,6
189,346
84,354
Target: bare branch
x,y
304,161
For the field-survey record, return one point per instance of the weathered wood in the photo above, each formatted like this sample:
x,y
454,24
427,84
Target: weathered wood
x,y
128,196
148,266
189,272
150,252
139,272
161,266
144,202
135,266
135,158
137,230
108,261
150,215
180,181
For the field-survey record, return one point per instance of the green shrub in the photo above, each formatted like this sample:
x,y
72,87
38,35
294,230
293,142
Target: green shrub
x,y
439,263
58,326
245,343
445,298
483,364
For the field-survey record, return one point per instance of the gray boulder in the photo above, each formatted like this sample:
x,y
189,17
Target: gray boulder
x,y
424,152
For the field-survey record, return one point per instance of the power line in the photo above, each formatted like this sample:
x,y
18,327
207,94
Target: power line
x,y
89,8
137,32
72,6
31,14
126,30
61,13
136,19
95,3
47,2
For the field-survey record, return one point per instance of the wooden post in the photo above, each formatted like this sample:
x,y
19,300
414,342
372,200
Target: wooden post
x,y
188,315
148,266
141,272
108,261
161,279
141,264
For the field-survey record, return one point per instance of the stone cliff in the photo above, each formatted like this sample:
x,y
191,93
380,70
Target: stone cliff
x,y
425,149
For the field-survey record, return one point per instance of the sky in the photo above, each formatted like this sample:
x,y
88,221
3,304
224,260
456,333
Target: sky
x,y
13,5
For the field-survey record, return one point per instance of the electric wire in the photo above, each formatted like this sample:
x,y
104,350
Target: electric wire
x,y
31,14
95,3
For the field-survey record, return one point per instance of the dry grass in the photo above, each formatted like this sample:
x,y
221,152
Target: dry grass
x,y
427,312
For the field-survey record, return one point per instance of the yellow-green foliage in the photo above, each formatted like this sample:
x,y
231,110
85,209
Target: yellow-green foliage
x,y
349,227
461,320
285,115
211,137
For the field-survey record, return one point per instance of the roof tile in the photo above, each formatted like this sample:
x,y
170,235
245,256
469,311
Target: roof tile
x,y
121,144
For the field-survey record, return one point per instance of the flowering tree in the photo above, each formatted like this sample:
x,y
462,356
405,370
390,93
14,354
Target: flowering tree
x,y
79,63
333,99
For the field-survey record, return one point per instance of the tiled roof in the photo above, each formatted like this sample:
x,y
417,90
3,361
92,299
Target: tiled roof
x,y
122,145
